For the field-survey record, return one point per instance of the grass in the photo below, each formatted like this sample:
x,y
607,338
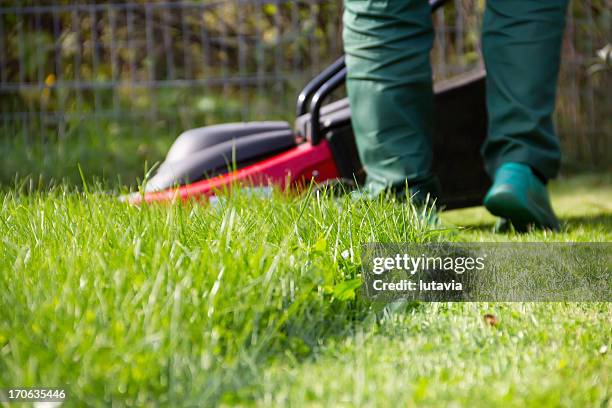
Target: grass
x,y
245,304
103,149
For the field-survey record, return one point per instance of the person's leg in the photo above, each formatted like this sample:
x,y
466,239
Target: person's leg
x,y
387,45
522,47
522,52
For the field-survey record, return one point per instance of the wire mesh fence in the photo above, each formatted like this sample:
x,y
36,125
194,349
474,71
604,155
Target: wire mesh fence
x,y
76,61
197,63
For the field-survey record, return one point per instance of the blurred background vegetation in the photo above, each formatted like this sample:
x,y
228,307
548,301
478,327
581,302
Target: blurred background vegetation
x,y
110,85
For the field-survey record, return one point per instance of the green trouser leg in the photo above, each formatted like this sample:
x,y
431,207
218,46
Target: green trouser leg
x,y
387,45
522,47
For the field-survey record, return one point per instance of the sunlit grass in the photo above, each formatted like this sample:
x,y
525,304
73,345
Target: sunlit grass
x,y
243,303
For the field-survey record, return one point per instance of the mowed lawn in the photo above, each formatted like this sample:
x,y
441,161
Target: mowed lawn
x,y
251,302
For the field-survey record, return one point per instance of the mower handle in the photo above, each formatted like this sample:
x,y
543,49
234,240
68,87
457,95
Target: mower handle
x,y
325,83
317,100
315,84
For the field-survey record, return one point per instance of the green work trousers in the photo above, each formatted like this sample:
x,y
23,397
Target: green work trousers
x,y
387,45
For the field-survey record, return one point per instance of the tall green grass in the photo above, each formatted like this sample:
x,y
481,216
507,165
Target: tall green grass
x,y
164,302
253,301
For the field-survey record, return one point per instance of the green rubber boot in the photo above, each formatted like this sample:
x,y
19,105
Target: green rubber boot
x,y
520,197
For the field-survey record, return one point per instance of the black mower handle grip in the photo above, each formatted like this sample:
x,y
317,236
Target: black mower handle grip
x,y
325,83
317,100
315,84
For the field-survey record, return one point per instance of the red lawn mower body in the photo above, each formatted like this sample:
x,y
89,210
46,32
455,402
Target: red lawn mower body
x,y
293,167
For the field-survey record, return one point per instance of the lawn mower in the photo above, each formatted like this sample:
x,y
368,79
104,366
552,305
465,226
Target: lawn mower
x,y
321,146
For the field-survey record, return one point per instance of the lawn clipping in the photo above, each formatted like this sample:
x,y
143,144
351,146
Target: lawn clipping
x,y
473,272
